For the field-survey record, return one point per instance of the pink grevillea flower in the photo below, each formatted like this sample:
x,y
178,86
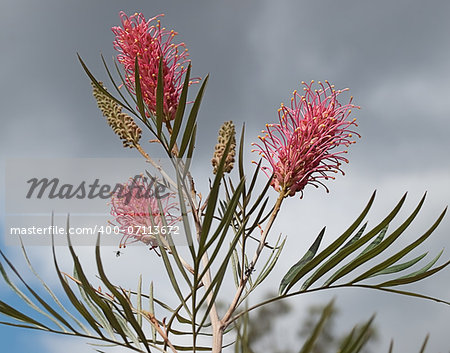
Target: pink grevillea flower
x,y
149,42
135,204
302,148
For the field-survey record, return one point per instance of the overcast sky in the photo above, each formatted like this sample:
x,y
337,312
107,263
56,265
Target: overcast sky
x,y
393,55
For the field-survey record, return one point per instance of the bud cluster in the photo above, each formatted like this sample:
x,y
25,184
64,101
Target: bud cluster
x,y
122,124
227,132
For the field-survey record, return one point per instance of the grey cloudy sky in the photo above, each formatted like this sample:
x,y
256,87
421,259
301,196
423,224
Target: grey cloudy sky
x,y
393,55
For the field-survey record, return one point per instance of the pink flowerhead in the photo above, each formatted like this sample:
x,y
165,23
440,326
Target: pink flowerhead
x,y
133,207
149,42
302,148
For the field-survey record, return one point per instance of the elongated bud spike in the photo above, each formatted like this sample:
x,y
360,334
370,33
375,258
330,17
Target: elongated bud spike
x,y
122,124
227,132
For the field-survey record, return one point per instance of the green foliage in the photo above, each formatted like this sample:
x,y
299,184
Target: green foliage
x,y
337,253
232,223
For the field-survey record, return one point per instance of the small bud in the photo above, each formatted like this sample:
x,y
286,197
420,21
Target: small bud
x,y
226,132
122,124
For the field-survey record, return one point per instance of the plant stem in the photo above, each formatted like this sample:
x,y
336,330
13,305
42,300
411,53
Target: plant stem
x,y
226,320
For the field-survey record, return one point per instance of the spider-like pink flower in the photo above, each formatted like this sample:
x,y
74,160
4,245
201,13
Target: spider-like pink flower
x,y
135,204
149,42
302,147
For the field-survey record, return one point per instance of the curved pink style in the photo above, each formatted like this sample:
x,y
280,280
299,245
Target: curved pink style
x,y
302,148
148,42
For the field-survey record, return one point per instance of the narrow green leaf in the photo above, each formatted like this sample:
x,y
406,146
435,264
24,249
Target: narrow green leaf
x,y
241,160
332,258
71,296
15,314
217,281
223,225
424,344
341,255
99,86
159,98
399,267
190,152
21,325
212,201
55,317
361,338
309,344
236,269
399,255
49,291
137,82
123,301
180,109
123,324
169,269
391,346
412,279
333,246
376,242
99,316
347,341
253,180
228,215
425,268
192,118
152,310
363,258
168,241
126,105
139,301
401,292
289,277
270,264
184,217
106,309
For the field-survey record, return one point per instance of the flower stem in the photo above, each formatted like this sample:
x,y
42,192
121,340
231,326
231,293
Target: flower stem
x,y
226,320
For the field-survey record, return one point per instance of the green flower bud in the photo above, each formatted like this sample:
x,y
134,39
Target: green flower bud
x,y
226,132
122,124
